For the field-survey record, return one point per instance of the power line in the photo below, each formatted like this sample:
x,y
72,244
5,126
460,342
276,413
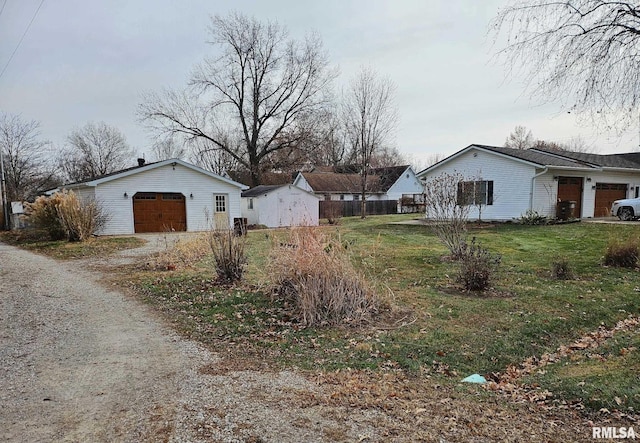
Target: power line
x,y
3,5
21,38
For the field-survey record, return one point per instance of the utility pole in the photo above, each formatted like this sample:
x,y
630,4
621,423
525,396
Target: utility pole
x,y
3,191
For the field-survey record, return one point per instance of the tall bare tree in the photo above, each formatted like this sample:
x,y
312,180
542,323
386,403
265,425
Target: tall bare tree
x,y
583,52
28,169
168,147
257,91
520,138
95,149
370,120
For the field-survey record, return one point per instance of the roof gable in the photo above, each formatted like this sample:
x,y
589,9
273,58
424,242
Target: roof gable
x,y
261,190
533,157
148,167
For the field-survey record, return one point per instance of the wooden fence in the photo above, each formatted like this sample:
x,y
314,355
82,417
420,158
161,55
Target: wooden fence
x,y
351,208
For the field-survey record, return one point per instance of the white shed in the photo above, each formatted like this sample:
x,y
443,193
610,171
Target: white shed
x,y
280,206
170,195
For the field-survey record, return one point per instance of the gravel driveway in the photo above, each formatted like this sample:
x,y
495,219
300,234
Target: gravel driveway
x,y
82,362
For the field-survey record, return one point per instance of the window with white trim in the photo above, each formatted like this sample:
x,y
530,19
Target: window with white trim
x,y
478,192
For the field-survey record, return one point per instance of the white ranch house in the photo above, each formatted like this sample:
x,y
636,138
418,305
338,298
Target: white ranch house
x,y
280,206
510,182
170,195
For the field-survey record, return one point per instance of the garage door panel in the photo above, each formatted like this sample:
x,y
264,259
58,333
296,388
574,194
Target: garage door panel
x,y
159,212
606,194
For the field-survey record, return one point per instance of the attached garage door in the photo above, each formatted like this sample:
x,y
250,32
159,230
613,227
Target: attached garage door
x,y
606,194
159,212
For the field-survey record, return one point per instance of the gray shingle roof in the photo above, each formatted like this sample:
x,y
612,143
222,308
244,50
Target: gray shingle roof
x,y
260,190
630,160
541,158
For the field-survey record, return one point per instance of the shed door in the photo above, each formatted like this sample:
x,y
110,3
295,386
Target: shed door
x,y
606,194
221,212
570,189
159,212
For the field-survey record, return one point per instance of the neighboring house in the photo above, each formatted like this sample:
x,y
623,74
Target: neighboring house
x,y
506,183
391,183
170,195
280,206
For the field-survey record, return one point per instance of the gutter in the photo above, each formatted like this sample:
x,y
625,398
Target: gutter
x,y
533,186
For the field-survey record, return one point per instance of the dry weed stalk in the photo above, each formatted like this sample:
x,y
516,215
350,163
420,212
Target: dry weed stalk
x,y
314,272
229,254
185,252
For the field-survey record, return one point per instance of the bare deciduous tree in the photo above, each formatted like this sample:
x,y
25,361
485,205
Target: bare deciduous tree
x,y
211,159
26,162
168,147
446,212
370,119
520,138
257,91
94,150
583,52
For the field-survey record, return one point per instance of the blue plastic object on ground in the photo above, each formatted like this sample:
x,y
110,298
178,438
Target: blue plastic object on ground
x,y
475,378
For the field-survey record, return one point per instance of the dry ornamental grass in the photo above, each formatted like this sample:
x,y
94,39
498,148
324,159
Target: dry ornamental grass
x,y
313,270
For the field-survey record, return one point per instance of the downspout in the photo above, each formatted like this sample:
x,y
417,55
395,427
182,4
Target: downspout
x,y
533,186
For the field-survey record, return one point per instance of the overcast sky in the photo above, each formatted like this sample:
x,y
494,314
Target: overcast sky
x,y
87,61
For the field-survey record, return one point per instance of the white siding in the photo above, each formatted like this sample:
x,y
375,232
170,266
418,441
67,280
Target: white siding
x,y
545,194
408,183
286,206
166,179
85,194
511,182
302,183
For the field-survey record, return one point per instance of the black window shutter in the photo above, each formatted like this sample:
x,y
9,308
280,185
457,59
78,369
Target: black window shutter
x,y
490,192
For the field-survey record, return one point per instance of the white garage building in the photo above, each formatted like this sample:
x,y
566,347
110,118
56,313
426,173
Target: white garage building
x,y
170,195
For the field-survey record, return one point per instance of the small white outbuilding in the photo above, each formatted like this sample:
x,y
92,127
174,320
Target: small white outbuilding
x,y
280,206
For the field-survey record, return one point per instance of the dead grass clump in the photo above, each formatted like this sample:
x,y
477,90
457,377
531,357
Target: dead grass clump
x,y
313,272
185,252
622,254
229,254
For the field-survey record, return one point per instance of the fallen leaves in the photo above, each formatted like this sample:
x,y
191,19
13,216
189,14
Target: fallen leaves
x,y
508,382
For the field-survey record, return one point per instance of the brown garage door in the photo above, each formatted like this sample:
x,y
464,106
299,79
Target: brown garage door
x,y
570,189
606,194
159,212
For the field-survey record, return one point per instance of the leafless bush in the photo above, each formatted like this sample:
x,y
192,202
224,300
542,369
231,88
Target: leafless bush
x,y
448,218
622,254
313,271
561,269
79,218
477,267
229,254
